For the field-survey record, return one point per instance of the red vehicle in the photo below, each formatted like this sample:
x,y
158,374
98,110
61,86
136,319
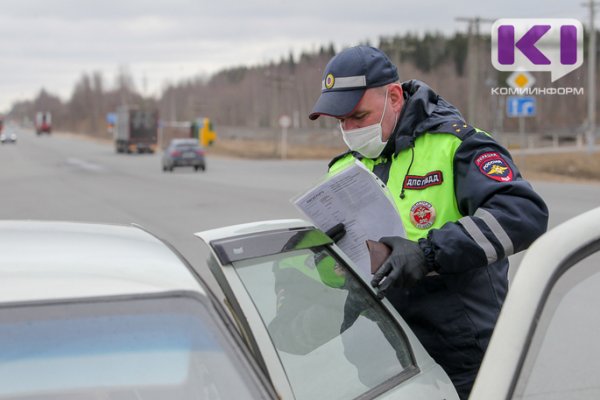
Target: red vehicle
x,y
43,122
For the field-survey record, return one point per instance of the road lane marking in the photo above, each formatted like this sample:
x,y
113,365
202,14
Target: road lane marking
x,y
89,166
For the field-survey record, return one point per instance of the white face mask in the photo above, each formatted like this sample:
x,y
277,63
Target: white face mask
x,y
366,140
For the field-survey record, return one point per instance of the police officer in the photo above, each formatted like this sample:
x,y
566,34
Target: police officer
x,y
464,205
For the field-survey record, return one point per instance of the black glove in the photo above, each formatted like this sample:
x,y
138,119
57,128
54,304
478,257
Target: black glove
x,y
405,266
336,232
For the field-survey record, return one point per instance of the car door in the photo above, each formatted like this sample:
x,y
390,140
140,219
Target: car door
x,y
545,345
313,324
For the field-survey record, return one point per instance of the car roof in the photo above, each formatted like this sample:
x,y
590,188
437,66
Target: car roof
x,y
49,260
251,228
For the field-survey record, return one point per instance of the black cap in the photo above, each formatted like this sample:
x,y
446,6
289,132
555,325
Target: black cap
x,y
348,75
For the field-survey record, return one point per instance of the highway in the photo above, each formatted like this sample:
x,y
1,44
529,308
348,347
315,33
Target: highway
x,y
62,177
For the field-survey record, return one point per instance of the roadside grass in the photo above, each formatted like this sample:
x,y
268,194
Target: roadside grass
x,y
255,149
578,167
564,167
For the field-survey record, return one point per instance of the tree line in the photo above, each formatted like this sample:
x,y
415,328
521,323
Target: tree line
x,y
256,96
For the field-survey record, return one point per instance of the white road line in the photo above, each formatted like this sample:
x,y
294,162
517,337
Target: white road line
x,y
76,162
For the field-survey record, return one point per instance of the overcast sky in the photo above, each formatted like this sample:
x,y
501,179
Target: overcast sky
x,y
51,43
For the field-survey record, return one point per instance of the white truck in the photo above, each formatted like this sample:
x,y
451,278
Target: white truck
x,y
136,130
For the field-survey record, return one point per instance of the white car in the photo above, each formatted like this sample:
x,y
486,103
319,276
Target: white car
x,y
107,311
8,137
545,345
312,322
111,312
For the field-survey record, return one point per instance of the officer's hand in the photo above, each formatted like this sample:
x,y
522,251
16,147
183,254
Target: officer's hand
x,y
336,232
403,268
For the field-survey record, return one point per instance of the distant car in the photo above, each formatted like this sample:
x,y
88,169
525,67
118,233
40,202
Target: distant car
x,y
183,153
8,137
43,122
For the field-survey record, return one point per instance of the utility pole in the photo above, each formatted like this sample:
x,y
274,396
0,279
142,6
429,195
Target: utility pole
x,y
473,74
276,81
280,84
591,134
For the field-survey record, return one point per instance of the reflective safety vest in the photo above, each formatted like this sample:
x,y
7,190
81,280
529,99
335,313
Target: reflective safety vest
x,y
428,200
319,267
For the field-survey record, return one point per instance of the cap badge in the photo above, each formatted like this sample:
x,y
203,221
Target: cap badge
x,y
329,81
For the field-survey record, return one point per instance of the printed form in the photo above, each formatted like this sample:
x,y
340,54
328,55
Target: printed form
x,y
359,200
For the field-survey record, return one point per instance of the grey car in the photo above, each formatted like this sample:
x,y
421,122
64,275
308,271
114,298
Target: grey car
x,y
183,153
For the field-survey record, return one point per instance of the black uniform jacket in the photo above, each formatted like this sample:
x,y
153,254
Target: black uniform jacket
x,y
454,313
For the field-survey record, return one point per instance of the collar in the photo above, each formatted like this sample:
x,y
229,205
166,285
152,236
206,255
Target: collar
x,y
416,117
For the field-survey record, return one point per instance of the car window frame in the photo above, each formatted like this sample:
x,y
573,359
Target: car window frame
x,y
547,308
545,263
244,310
533,342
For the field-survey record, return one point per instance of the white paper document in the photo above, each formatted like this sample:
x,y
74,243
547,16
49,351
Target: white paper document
x,y
359,200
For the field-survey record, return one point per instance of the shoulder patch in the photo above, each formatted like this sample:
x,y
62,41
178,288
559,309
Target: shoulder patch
x,y
421,182
457,128
492,165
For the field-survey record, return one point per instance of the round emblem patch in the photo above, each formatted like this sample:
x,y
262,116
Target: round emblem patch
x,y
493,165
422,214
329,81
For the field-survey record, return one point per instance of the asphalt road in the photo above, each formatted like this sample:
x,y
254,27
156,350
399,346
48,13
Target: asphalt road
x,y
68,178
63,177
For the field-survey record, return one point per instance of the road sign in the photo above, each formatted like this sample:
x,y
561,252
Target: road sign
x,y
285,121
520,106
111,118
520,80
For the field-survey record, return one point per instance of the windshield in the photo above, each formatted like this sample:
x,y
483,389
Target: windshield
x,y
168,348
334,339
